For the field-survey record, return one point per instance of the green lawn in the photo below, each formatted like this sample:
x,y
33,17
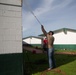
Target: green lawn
x,y
35,64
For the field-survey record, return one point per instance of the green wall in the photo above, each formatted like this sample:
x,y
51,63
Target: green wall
x,y
65,46
38,45
61,46
11,64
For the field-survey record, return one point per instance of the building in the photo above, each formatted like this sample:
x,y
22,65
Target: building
x,y
10,37
33,40
65,38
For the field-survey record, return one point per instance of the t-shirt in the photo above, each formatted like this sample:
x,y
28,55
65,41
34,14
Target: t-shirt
x,y
45,41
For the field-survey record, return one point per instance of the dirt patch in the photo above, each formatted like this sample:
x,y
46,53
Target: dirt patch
x,y
40,51
32,50
70,53
54,71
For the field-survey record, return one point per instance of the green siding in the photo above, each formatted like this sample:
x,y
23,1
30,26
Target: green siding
x,y
38,45
11,64
60,46
65,46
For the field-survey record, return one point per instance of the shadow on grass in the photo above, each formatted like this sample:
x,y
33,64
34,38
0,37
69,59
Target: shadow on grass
x,y
62,59
34,63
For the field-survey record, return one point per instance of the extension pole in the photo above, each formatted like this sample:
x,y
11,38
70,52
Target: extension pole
x,y
32,12
35,16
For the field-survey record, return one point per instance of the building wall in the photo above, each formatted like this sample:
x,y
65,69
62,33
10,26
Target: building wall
x,y
32,41
11,64
65,41
10,27
15,2
10,38
65,46
69,38
27,40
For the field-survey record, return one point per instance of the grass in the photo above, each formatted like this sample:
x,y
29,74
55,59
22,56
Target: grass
x,y
35,64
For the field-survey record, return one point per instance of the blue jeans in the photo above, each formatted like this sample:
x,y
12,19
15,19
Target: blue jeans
x,y
51,59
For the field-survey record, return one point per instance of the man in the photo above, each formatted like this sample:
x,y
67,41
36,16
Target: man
x,y
50,41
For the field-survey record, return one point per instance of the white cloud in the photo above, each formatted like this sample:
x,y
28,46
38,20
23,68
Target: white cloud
x,y
47,6
27,20
48,14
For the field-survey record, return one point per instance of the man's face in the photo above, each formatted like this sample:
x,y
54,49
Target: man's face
x,y
50,33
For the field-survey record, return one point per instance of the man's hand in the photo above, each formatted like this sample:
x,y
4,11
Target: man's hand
x,y
42,26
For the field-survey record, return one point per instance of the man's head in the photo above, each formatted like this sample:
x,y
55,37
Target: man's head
x,y
50,32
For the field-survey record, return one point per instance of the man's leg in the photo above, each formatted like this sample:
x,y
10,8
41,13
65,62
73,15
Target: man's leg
x,y
50,54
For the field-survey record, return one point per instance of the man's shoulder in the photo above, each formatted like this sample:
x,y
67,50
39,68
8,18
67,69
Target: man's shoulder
x,y
52,37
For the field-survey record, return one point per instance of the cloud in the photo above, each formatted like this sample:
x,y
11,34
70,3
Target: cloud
x,y
27,19
48,12
48,6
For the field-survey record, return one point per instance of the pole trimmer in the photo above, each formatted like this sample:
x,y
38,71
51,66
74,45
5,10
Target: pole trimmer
x,y
27,4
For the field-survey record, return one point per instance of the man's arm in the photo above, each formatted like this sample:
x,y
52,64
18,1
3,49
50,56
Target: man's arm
x,y
43,30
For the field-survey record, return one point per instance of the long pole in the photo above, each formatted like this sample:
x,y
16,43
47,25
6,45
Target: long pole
x,y
35,16
27,4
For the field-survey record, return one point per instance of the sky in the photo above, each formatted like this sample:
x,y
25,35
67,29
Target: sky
x,y
52,14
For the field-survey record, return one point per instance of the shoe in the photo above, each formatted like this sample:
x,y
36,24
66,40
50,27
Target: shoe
x,y
49,69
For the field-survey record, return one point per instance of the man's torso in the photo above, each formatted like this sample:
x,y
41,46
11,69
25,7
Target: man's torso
x,y
50,39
